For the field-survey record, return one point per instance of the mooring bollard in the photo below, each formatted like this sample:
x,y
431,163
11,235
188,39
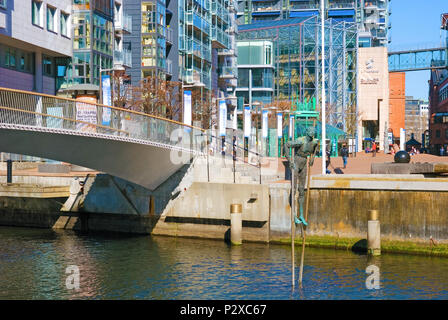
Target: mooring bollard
x,y
9,171
373,234
236,225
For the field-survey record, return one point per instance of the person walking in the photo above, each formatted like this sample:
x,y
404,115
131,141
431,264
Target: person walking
x,y
442,151
328,161
344,154
374,149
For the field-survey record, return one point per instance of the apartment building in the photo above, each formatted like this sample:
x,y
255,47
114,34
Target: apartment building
x,y
35,41
372,16
190,41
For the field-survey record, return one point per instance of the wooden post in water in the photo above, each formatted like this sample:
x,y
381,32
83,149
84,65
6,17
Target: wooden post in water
x,y
236,224
307,205
373,234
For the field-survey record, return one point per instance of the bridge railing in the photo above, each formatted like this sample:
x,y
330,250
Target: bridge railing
x,y
34,111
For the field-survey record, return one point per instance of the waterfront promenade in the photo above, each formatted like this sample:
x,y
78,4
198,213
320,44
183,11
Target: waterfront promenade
x,y
356,165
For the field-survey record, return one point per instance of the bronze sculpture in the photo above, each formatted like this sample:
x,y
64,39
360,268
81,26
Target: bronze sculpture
x,y
303,147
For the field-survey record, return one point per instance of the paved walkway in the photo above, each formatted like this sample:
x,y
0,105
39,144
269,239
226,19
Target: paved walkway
x,y
362,162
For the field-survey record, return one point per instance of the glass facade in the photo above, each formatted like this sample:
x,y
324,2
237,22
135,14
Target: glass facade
x,y
294,75
153,39
372,16
93,41
255,72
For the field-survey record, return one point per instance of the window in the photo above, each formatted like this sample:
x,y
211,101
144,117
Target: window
x,y
3,4
36,12
64,24
47,65
10,58
16,59
51,19
437,133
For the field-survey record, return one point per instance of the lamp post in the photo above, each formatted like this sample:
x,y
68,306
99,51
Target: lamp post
x,y
322,15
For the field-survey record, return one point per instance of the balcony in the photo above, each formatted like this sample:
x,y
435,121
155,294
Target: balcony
x,y
198,49
196,21
226,52
169,36
342,5
379,34
169,67
196,76
267,7
220,12
123,23
220,38
228,72
303,6
123,58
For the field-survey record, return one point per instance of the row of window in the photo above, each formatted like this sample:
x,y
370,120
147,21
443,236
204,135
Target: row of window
x,y
443,94
438,133
23,61
37,18
16,59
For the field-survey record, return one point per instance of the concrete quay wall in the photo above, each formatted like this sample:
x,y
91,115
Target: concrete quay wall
x,y
411,208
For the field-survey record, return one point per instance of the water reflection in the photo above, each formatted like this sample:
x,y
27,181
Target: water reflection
x,y
33,263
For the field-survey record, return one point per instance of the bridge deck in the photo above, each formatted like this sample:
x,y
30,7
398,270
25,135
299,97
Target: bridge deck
x,y
415,60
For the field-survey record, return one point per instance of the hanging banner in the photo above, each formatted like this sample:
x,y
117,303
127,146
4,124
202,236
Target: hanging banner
x,y
39,111
86,112
222,118
105,89
107,99
187,107
247,122
279,125
56,121
235,119
291,126
264,124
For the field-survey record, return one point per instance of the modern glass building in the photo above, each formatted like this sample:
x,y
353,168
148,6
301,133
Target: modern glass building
x,y
295,48
372,16
97,29
255,72
191,41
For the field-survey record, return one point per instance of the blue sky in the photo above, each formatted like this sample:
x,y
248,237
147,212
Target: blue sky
x,y
416,23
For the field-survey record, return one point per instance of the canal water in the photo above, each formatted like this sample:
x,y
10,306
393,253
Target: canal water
x,y
33,265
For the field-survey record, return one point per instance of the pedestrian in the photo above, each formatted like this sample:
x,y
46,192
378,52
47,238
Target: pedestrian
x,y
344,154
442,151
374,149
328,161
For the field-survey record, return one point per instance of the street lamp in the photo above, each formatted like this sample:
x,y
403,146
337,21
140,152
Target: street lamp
x,y
322,17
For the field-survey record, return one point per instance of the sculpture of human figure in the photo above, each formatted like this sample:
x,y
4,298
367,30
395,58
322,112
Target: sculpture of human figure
x,y
303,147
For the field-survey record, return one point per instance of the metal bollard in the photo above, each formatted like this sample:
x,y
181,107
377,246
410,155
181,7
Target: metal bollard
x,y
9,171
236,224
373,234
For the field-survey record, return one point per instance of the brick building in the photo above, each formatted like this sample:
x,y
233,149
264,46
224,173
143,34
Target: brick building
x,y
438,110
397,86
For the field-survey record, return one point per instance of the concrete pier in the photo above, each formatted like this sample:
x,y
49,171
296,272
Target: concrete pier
x,y
373,234
236,226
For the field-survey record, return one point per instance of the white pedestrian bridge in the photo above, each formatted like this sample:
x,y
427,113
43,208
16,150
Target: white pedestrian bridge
x,y
135,146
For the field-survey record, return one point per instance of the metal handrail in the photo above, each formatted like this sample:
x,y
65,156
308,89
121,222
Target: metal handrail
x,y
235,158
24,110
100,105
65,119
